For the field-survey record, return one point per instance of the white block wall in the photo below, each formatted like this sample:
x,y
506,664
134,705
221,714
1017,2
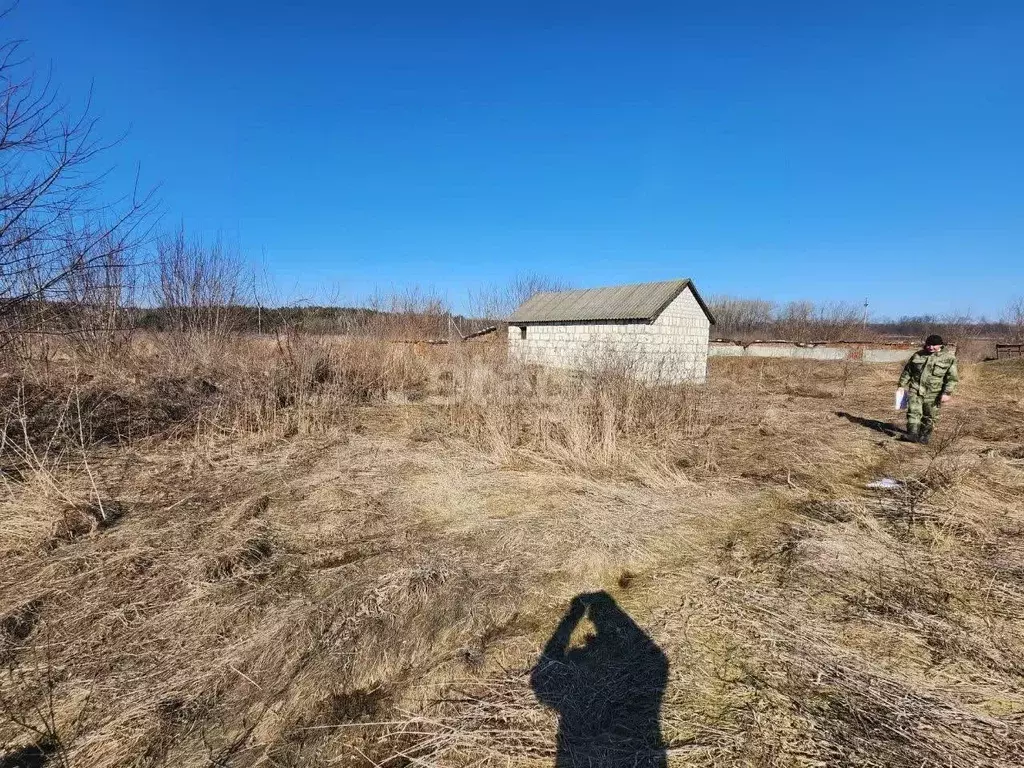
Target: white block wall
x,y
858,352
672,349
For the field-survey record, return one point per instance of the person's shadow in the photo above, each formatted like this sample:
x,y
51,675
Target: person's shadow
x,y
607,690
885,427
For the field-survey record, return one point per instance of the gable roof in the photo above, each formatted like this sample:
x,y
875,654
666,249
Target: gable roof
x,y
637,302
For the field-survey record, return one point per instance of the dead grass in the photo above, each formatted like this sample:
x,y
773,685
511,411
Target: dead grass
x,y
342,552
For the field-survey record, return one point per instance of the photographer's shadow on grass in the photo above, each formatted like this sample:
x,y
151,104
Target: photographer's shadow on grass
x,y
885,427
605,677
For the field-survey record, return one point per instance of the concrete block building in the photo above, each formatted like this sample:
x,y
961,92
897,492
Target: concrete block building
x,y
656,331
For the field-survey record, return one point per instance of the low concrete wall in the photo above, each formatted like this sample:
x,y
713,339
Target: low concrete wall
x,y
792,350
887,355
862,352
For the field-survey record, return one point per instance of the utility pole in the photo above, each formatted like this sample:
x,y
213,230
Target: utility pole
x,y
865,313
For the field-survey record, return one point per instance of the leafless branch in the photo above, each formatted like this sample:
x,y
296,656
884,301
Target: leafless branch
x,y
61,244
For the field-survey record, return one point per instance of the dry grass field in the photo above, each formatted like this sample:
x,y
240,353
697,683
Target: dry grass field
x,y
349,553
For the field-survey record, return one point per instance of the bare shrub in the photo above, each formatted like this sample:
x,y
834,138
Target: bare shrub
x,y
306,384
197,286
98,319
412,314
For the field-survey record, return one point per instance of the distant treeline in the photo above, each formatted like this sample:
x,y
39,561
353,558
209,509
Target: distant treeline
x,y
739,319
922,325
65,317
258,319
413,324
748,319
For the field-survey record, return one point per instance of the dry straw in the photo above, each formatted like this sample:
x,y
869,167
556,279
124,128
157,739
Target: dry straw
x,y
317,551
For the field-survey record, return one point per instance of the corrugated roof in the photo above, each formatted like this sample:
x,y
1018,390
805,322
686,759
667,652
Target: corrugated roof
x,y
636,302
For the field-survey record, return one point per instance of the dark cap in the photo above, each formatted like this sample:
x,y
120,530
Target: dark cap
x,y
934,341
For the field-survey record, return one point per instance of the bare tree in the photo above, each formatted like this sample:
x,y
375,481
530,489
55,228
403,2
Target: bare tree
x,y
498,302
742,318
958,326
796,321
749,319
839,321
60,245
1014,318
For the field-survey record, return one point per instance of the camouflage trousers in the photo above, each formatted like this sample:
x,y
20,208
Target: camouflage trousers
x,y
922,413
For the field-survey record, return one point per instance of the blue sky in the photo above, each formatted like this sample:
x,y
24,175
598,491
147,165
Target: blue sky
x,y
786,150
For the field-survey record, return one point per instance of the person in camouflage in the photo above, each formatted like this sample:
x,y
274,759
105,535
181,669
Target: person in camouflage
x,y
930,378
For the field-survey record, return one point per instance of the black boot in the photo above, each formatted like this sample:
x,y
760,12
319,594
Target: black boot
x,y
913,434
926,435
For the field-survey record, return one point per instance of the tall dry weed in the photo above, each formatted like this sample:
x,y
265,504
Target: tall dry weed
x,y
589,422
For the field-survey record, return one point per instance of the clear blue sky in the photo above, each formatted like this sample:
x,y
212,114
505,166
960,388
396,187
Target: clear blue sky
x,y
785,150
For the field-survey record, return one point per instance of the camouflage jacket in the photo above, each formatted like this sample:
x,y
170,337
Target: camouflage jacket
x,y
930,376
